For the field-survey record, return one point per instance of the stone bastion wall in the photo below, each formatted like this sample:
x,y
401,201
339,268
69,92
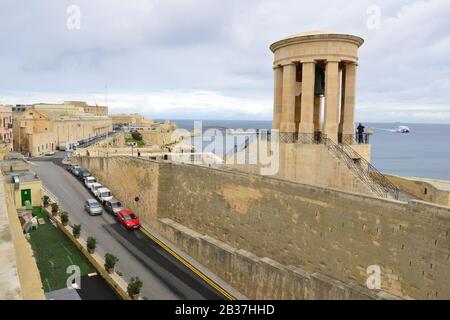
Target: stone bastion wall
x,y
272,238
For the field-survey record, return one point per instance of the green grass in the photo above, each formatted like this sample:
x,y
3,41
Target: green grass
x,y
54,252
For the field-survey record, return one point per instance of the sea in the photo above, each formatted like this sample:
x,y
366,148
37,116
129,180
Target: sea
x,y
424,152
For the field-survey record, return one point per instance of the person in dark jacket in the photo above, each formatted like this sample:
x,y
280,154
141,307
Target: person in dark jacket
x,y
360,130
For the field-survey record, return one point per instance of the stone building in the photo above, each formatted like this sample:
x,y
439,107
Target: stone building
x,y
126,119
6,128
95,110
45,128
154,132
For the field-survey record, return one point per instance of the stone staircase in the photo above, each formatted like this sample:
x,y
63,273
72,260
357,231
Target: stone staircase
x,y
365,171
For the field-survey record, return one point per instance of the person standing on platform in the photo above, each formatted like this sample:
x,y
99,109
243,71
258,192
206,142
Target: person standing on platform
x,y
360,131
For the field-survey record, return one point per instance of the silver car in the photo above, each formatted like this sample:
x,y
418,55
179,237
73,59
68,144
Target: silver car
x,y
113,206
93,207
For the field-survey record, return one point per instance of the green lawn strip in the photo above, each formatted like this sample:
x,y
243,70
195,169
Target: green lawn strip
x,y
54,252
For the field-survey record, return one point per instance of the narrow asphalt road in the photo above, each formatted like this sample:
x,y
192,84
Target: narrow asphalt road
x,y
163,276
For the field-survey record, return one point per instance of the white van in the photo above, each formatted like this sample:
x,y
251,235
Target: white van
x,y
94,188
89,181
104,194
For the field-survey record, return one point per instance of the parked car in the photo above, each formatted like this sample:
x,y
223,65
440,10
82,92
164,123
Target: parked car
x,y
94,188
104,194
75,170
83,174
70,167
50,153
89,181
113,206
128,219
93,207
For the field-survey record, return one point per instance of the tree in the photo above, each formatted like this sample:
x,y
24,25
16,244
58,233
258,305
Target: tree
x,y
136,136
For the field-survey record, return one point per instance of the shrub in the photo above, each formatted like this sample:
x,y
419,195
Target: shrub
x,y
110,261
46,200
55,208
91,243
76,230
65,218
134,287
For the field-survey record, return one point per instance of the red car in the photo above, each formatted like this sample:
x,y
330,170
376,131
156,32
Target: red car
x,y
128,219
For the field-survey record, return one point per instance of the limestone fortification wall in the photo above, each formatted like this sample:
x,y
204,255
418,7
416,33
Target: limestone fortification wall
x,y
423,189
319,231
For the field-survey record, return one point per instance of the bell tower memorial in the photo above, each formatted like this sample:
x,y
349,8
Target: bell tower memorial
x,y
315,86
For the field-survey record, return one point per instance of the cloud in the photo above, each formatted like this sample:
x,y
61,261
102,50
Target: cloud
x,y
176,57
180,104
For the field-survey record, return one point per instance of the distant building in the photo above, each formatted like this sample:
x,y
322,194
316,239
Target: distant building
x,y
154,132
95,110
6,128
43,128
127,119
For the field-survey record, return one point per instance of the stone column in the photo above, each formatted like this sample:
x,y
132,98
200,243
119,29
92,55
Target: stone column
x,y
287,127
347,125
332,84
306,126
317,113
278,97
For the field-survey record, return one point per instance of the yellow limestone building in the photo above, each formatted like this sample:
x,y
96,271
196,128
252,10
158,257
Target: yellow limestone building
x,y
314,114
44,128
127,119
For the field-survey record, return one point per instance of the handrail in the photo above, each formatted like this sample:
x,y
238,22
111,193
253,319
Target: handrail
x,y
366,172
236,149
373,178
373,172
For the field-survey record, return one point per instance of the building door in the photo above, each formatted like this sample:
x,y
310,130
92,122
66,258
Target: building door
x,y
25,196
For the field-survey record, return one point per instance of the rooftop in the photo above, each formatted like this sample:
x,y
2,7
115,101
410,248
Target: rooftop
x,y
24,176
314,35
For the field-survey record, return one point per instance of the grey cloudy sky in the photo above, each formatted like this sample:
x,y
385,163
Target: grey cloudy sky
x,y
209,59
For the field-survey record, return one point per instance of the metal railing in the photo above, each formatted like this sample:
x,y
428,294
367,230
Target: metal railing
x,y
363,169
374,179
358,138
239,148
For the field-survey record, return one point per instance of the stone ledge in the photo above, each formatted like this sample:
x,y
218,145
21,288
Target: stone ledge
x,y
315,285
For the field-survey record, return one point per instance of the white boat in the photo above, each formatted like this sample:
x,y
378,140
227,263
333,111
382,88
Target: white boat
x,y
403,129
